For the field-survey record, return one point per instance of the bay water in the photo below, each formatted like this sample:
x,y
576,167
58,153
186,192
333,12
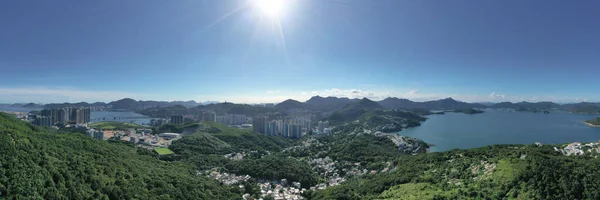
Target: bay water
x,y
463,131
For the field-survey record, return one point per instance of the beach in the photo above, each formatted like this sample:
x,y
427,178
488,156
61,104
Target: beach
x,y
592,125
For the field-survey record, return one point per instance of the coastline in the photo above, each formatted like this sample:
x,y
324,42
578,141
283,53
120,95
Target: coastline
x,y
592,125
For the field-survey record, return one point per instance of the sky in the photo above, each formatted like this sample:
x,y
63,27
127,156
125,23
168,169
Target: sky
x,y
249,51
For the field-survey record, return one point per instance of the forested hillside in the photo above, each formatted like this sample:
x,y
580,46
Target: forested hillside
x,y
45,164
493,172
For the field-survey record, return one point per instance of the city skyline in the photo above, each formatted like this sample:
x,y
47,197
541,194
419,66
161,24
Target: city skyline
x,y
239,52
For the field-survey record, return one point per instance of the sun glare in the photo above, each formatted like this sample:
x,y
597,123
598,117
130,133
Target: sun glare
x,y
271,8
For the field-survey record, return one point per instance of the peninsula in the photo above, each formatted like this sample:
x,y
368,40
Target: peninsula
x,y
593,122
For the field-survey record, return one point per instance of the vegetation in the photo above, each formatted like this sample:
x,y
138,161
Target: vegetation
x,y
468,111
241,109
42,163
585,109
387,121
595,122
114,125
493,172
207,148
163,151
276,167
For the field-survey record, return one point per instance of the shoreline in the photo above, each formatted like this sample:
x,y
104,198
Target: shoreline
x,y
592,125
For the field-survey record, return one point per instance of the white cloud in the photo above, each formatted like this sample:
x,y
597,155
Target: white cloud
x,y
59,95
493,95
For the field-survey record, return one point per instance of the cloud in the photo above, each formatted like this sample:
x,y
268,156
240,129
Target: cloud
x,y
493,95
273,91
56,95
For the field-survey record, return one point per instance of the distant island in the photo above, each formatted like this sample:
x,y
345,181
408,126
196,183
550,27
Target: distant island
x,y
593,122
468,111
533,110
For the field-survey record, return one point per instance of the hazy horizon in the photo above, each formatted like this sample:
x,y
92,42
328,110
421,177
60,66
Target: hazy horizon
x,y
300,100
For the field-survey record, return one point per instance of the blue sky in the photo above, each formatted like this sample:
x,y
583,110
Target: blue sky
x,y
471,50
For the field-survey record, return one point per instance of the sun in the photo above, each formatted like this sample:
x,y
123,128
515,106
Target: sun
x,y
273,9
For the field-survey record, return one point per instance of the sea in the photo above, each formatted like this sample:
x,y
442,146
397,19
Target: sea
x,y
463,131
130,117
96,116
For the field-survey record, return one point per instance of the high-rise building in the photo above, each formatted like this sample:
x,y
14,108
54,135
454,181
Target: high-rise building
x,y
232,119
322,125
177,119
79,116
209,116
90,132
285,131
294,131
62,116
271,128
259,123
76,115
99,135
87,115
43,121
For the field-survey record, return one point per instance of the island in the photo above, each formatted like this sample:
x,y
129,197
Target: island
x,y
468,111
593,122
533,110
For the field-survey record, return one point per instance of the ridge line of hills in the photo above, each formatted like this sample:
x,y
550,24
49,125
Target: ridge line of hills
x,y
319,103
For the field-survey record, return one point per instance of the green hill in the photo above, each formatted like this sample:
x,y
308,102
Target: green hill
x,y
41,163
492,172
595,122
262,158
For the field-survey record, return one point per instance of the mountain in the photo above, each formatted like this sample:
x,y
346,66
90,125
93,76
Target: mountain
x,y
352,112
442,104
584,108
231,108
209,102
486,103
366,104
329,103
98,104
491,172
17,105
393,102
505,105
43,163
544,105
32,105
527,106
449,104
131,104
62,105
126,103
291,104
25,105
187,104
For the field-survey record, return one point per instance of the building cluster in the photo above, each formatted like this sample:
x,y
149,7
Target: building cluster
x,y
323,127
276,189
177,119
51,117
233,119
226,178
578,149
207,116
184,118
281,190
98,134
142,137
289,126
